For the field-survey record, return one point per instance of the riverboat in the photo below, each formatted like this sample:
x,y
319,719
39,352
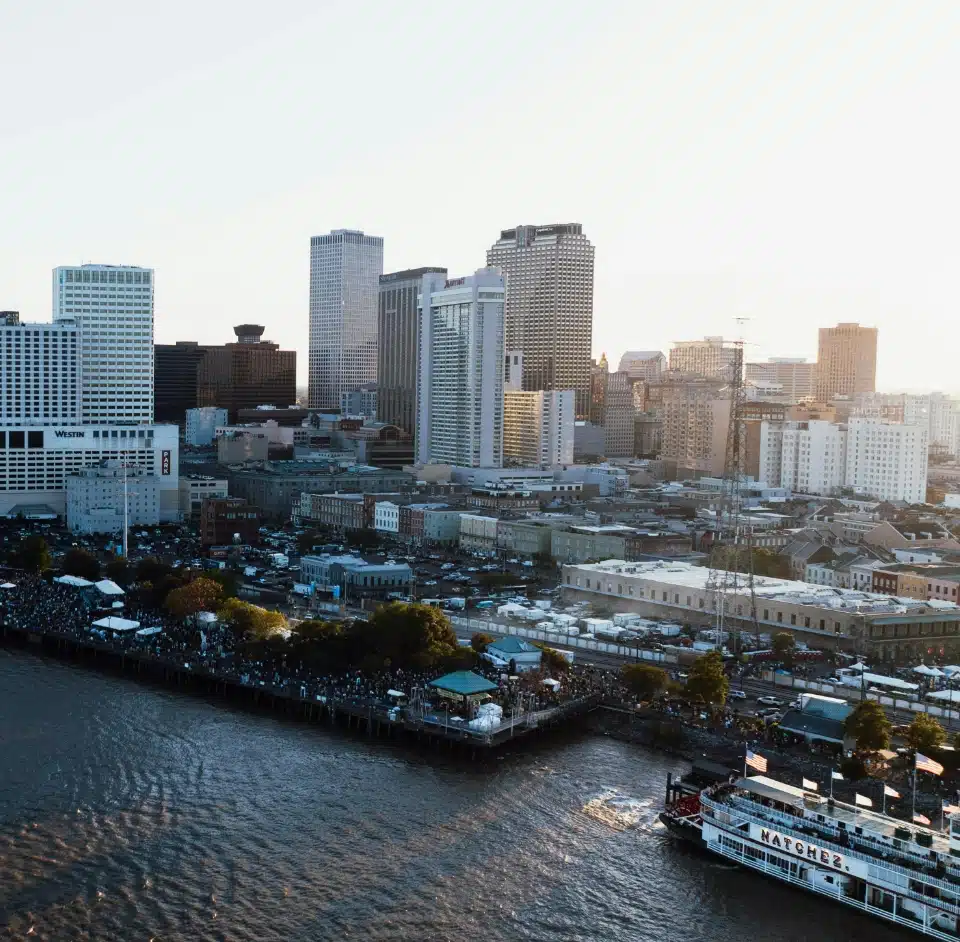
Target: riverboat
x,y
907,874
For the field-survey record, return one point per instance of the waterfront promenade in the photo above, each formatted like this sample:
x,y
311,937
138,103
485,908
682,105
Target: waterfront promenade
x,y
208,659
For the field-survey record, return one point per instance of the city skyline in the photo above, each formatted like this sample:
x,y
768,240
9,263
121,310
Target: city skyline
x,y
738,197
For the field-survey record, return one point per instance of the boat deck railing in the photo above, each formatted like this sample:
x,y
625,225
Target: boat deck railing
x,y
867,855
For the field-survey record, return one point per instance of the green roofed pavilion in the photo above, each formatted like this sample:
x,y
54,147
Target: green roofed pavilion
x,y
463,684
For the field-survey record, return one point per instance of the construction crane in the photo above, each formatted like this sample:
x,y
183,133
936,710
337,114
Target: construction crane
x,y
728,577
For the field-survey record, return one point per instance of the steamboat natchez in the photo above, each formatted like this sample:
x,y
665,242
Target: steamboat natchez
x,y
907,874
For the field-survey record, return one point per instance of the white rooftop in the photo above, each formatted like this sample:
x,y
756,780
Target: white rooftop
x,y
684,574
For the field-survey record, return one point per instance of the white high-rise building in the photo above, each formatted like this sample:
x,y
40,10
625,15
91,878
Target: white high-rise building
x,y
460,373
345,270
112,307
875,459
808,457
887,461
538,427
39,372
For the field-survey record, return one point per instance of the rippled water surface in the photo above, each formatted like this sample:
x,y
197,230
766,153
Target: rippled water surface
x,y
129,812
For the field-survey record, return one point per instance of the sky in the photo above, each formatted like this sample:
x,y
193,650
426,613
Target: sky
x,y
795,164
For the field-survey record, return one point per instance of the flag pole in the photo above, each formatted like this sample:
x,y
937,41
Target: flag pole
x,y
884,800
831,783
914,809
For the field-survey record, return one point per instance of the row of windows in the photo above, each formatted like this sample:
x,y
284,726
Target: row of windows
x,y
87,276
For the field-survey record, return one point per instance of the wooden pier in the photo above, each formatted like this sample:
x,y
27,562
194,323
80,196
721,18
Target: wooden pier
x,y
292,698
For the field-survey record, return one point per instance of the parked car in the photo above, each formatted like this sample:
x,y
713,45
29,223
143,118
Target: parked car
x,y
769,701
736,695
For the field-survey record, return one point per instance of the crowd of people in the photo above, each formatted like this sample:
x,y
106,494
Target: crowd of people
x,y
39,604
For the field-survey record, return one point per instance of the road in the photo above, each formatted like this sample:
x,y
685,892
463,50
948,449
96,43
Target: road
x,y
753,686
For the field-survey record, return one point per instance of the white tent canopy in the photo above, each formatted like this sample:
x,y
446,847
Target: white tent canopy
x,y
951,669
113,623
109,587
8,585
76,581
927,671
146,632
952,695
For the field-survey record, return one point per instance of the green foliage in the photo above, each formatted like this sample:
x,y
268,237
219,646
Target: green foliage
x,y
227,579
480,641
406,635
119,571
201,595
33,555
925,734
707,683
150,569
251,621
552,661
81,562
784,646
644,681
869,726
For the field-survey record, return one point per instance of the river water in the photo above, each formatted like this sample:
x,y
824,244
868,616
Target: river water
x,y
133,813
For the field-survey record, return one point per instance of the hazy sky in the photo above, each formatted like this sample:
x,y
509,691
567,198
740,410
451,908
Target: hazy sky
x,y
795,163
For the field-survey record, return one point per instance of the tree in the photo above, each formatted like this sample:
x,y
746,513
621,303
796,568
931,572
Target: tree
x,y
120,572
480,641
32,555
644,681
925,733
252,621
405,635
869,726
82,563
201,595
227,579
707,683
150,569
552,661
784,645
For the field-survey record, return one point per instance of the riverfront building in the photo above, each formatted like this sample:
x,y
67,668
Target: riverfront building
x,y
881,626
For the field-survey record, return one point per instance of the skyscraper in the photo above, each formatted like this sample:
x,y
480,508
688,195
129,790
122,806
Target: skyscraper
x,y
549,306
398,327
846,361
345,269
112,306
460,374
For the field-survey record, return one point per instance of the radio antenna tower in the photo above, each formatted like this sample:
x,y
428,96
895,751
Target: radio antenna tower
x,y
728,574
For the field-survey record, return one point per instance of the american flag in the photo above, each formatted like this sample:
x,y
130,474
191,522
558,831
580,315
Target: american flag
x,y
810,786
756,761
890,792
862,800
920,819
923,764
